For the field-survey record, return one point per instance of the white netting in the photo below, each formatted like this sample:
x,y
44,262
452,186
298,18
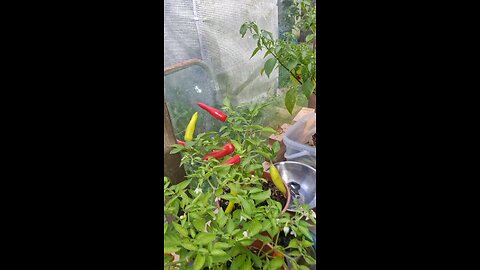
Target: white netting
x,y
208,30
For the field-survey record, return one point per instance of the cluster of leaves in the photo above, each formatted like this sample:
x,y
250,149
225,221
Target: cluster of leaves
x,y
205,236
298,58
200,233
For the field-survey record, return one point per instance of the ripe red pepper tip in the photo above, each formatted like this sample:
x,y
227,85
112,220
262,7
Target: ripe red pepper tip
x,y
180,142
213,111
227,149
234,160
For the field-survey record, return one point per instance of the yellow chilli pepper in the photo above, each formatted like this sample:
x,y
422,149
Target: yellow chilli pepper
x,y
277,179
230,204
191,127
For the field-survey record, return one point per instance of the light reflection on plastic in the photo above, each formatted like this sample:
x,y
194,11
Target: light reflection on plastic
x,y
198,90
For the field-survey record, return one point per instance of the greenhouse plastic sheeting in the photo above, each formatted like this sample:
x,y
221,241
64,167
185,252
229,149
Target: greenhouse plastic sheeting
x,y
208,30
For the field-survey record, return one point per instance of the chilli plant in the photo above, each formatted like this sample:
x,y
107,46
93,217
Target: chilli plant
x,y
296,56
200,234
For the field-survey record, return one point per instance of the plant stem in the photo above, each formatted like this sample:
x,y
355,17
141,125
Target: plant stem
x,y
276,57
208,180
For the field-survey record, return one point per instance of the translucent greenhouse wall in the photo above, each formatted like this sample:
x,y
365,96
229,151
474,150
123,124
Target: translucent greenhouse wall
x,y
206,59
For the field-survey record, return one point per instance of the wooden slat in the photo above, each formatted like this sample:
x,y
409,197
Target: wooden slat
x,y
171,163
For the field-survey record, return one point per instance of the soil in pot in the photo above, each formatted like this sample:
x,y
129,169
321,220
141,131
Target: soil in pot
x,y
284,240
277,195
224,203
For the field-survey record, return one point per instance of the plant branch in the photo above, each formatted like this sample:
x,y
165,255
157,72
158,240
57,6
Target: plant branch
x,y
276,57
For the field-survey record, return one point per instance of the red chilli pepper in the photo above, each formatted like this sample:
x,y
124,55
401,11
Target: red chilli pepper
x,y
214,112
180,142
234,160
227,149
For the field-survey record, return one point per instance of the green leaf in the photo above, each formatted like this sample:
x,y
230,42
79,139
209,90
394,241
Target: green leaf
x,y
276,263
180,229
293,243
176,150
237,249
221,170
229,197
255,189
290,99
309,260
270,65
204,238
182,185
209,261
309,38
218,252
238,261
307,88
276,146
221,218
247,265
262,70
269,130
303,267
170,249
243,29
277,49
304,230
261,196
253,167
237,145
199,224
220,259
203,250
264,238
189,246
246,205
255,127
291,64
246,242
269,34
230,226
267,156
255,28
254,227
226,103
199,261
192,233
189,144
295,253
306,243
256,259
255,52
221,245
266,54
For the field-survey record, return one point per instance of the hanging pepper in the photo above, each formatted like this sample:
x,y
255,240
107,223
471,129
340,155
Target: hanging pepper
x,y
191,127
234,160
230,204
180,142
227,150
277,179
214,112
